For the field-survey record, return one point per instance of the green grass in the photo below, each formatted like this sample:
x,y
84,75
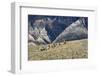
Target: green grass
x,y
70,50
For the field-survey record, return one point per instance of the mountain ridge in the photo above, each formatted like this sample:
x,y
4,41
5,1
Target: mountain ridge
x,y
75,31
50,30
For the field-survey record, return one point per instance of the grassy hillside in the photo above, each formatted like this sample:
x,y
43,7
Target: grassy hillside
x,y
64,50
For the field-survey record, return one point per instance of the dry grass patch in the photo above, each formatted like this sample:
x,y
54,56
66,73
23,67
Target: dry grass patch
x,y
70,50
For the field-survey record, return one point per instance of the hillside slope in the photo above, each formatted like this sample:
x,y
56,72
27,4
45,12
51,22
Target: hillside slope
x,y
69,50
74,32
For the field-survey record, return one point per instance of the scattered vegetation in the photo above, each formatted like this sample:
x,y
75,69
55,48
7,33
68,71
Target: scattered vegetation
x,y
63,50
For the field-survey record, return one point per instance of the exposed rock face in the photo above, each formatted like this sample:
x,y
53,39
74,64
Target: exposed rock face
x,y
40,41
48,29
75,31
30,38
38,33
56,25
